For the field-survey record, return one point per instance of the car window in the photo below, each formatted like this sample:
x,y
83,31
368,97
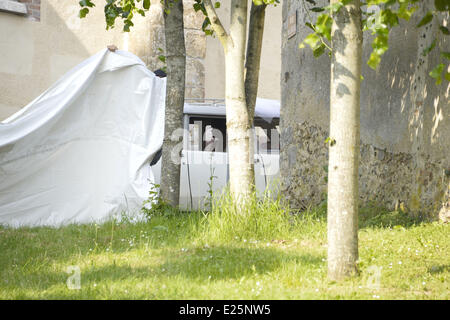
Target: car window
x,y
267,135
209,134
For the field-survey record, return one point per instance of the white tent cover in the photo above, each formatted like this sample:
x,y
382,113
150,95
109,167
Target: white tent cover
x,y
79,152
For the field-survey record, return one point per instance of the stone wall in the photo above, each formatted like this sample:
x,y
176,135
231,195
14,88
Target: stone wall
x,y
405,122
195,46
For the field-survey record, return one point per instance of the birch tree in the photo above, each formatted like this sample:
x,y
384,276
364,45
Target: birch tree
x,y
338,29
241,73
238,119
346,43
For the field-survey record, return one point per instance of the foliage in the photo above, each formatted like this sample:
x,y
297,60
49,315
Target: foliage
x,y
126,9
379,17
155,205
123,9
200,6
210,197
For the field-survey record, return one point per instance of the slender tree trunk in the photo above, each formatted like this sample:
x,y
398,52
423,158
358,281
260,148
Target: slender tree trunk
x,y
252,65
344,142
176,68
252,62
241,88
238,121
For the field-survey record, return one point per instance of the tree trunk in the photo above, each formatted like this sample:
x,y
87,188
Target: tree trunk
x,y
252,64
344,141
239,118
238,125
176,68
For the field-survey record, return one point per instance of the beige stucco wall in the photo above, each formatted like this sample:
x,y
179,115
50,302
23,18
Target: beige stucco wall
x,y
269,83
34,54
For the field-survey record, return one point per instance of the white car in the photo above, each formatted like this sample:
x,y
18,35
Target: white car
x,y
204,151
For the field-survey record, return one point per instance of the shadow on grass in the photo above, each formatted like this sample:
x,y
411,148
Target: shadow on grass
x,y
439,269
233,263
378,217
17,246
199,265
370,216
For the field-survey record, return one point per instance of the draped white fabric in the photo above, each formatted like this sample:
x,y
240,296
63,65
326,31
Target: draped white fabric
x,y
79,152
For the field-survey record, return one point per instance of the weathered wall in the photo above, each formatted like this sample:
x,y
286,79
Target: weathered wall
x,y
34,54
195,45
405,121
35,50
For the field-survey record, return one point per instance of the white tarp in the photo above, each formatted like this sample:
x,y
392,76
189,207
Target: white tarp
x,y
80,151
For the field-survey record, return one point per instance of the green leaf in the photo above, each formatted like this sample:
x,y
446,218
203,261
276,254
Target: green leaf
x,y
86,3
436,73
374,60
317,9
444,30
319,51
312,40
447,76
426,19
323,25
445,55
431,47
404,12
389,18
217,5
197,7
83,12
442,5
146,4
310,26
380,44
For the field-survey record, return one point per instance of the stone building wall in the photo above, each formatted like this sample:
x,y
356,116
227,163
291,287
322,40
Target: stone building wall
x,y
405,122
195,45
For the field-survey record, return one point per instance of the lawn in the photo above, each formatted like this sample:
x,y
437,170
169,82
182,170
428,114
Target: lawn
x,y
198,256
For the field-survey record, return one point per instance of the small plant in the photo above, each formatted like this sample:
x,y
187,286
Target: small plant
x,y
210,184
155,205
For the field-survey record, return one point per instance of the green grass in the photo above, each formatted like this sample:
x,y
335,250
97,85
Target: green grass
x,y
221,256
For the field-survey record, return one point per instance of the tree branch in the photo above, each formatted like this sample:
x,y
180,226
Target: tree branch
x,y
252,63
216,24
